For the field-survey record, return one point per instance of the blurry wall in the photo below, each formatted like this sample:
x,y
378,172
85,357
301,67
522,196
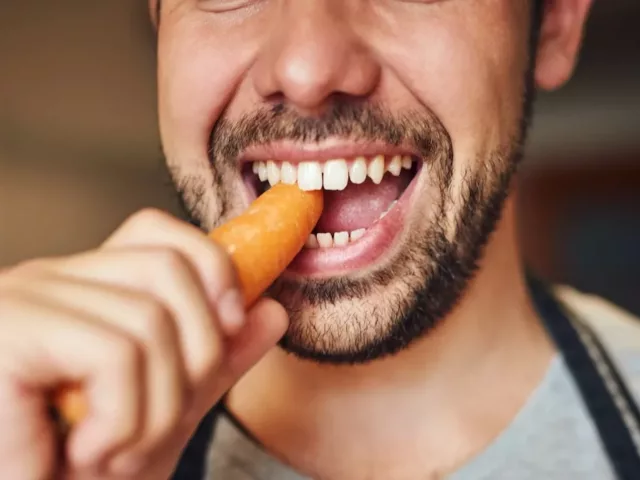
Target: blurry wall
x,y
79,149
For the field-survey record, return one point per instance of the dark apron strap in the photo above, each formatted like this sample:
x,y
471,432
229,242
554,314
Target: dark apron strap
x,y
603,391
193,463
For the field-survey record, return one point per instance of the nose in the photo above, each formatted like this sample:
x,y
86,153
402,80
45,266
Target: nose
x,y
313,55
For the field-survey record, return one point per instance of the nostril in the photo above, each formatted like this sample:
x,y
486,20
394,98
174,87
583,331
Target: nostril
x,y
277,102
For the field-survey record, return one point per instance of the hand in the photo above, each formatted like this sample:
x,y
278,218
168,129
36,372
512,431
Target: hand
x,y
152,324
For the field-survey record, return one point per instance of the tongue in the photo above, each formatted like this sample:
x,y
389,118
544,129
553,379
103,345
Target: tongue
x,y
359,206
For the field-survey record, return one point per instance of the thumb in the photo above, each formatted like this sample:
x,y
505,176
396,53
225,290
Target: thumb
x,y
266,323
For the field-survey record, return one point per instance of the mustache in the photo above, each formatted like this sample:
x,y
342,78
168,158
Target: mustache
x,y
352,119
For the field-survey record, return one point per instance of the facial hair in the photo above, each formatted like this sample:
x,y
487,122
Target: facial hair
x,y
434,269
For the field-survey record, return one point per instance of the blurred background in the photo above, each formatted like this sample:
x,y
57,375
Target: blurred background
x,y
79,148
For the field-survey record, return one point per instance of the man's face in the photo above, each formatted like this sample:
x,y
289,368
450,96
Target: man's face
x,y
410,114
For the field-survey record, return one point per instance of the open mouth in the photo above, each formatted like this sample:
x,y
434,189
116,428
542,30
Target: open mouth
x,y
366,200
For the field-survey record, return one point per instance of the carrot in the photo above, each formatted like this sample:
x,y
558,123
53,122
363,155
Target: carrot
x,y
267,237
261,243
70,404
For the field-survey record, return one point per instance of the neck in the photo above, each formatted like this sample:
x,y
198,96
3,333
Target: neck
x,y
418,414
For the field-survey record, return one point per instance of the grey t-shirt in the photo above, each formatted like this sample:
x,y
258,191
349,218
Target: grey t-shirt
x,y
551,438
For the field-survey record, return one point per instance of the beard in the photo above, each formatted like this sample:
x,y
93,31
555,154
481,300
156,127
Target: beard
x,y
350,319
414,292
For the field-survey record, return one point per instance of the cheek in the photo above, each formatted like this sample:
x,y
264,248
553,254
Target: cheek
x,y
470,76
198,73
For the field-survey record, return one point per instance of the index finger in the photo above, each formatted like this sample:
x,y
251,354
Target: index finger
x,y
153,228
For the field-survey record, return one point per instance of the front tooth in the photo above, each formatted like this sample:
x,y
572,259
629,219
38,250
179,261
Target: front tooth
x,y
312,242
376,169
341,239
254,167
310,176
289,173
325,240
358,171
395,166
336,175
357,234
262,171
406,162
273,173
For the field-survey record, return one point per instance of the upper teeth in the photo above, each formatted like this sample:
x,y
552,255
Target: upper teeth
x,y
333,174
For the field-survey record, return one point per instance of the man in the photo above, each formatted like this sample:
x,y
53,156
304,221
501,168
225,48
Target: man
x,y
411,344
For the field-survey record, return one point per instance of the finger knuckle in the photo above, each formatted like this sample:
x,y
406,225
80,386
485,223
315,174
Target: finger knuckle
x,y
149,216
155,321
169,261
144,220
124,353
215,259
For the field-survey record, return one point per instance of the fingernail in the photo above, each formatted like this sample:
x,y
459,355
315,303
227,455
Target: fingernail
x,y
231,312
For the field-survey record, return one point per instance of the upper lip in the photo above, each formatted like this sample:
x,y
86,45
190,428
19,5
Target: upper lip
x,y
292,152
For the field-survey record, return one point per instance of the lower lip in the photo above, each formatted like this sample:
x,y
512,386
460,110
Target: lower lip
x,y
377,241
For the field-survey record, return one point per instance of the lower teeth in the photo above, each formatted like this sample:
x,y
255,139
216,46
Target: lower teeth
x,y
340,239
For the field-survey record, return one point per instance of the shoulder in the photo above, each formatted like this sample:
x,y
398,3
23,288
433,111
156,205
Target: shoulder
x,y
617,329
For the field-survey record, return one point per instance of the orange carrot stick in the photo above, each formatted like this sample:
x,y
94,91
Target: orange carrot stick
x,y
261,243
268,236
